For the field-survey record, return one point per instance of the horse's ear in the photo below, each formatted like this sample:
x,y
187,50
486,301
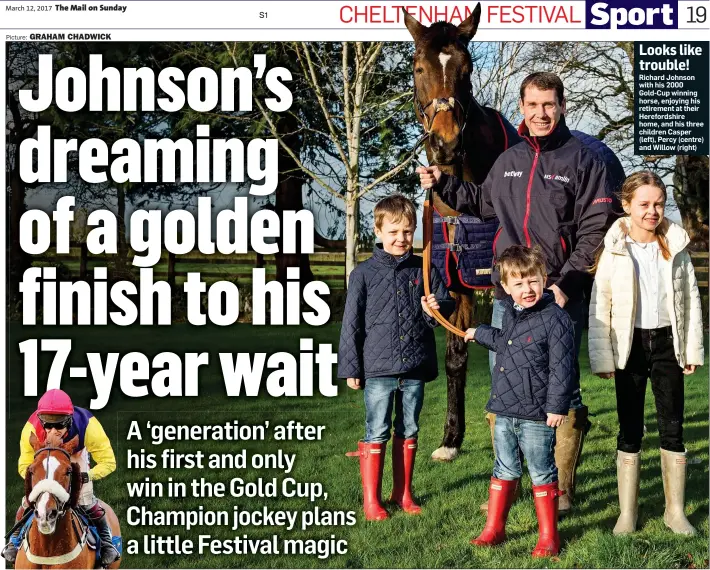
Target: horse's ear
x,y
75,485
415,28
28,484
35,442
71,445
467,28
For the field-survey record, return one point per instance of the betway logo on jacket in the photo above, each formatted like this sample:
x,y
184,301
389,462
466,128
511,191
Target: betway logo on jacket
x,y
513,174
557,177
631,14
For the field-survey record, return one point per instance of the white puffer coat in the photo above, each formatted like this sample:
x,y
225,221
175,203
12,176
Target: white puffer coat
x,y
612,310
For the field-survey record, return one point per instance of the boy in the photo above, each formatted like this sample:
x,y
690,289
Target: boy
x,y
532,384
387,347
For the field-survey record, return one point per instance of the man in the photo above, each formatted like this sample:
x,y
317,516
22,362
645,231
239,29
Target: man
x,y
549,190
57,415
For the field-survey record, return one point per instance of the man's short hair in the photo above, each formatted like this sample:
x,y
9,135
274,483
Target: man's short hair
x,y
519,261
544,81
395,207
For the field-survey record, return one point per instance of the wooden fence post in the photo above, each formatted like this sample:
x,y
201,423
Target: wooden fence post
x,y
84,260
171,269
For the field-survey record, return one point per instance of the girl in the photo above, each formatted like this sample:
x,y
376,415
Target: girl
x,y
645,320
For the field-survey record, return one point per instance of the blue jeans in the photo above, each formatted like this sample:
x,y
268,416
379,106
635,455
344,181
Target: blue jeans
x,y
575,309
381,395
537,442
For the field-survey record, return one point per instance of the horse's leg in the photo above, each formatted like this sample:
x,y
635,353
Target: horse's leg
x,y
456,361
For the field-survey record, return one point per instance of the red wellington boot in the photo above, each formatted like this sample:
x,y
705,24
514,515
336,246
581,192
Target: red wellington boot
x,y
500,498
546,507
403,453
372,463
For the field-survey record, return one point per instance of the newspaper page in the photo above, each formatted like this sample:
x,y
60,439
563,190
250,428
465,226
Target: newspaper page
x,y
355,284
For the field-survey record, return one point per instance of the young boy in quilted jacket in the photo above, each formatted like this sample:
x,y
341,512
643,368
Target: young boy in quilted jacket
x,y
387,348
532,384
645,320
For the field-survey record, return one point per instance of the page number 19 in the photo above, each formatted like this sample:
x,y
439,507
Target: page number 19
x,y
698,14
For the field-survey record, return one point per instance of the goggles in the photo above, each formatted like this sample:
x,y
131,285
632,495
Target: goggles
x,y
58,425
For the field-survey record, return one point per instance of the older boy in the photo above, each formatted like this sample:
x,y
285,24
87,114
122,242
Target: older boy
x,y
387,346
532,384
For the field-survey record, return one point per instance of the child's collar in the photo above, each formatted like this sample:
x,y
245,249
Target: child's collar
x,y
386,258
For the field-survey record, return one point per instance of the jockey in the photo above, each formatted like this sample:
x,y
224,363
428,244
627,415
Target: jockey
x,y
57,415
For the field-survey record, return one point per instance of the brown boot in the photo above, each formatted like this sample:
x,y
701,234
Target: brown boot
x,y
491,420
568,451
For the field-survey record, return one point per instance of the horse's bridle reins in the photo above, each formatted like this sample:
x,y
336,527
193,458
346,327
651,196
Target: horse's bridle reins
x,y
443,104
439,105
61,511
82,536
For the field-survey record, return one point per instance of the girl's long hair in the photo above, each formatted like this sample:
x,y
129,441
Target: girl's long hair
x,y
626,194
628,189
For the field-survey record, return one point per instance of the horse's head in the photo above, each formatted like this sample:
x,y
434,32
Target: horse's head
x,y
442,82
52,482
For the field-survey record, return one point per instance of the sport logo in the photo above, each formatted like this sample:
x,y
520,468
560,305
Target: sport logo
x,y
558,177
513,173
631,14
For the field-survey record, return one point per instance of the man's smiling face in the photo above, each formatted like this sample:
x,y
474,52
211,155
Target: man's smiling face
x,y
541,110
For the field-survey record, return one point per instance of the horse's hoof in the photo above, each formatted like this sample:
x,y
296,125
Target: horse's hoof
x,y
445,454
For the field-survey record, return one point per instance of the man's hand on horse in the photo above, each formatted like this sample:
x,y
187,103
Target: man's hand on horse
x,y
429,303
428,176
560,298
354,383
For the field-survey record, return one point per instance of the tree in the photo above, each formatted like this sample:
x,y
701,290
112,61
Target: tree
x,y
21,73
599,87
355,123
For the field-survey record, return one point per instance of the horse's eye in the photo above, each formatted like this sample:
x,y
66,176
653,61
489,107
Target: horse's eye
x,y
419,70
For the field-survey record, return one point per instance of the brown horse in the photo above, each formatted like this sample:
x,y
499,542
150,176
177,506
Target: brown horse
x,y
463,138
57,538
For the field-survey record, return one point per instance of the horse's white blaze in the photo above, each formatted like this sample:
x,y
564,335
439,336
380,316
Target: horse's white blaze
x,y
42,506
444,59
50,466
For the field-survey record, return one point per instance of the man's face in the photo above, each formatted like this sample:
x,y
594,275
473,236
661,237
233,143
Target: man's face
x,y
541,110
525,291
55,425
397,238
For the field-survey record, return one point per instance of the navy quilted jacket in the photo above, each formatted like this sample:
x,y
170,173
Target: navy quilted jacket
x,y
385,332
534,371
552,191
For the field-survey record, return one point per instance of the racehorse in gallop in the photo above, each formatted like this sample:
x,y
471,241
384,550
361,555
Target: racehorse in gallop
x,y
463,138
57,537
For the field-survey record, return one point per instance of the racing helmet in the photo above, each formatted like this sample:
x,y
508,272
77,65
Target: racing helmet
x,y
55,407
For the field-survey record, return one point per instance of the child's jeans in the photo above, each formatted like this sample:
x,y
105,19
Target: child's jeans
x,y
537,442
381,395
652,354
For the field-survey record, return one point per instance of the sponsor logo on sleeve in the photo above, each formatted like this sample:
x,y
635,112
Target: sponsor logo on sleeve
x,y
557,177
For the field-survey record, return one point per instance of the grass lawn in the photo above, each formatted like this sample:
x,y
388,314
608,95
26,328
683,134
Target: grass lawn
x,y
450,493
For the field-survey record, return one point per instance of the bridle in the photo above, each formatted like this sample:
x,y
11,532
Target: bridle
x,y
439,105
442,104
61,505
